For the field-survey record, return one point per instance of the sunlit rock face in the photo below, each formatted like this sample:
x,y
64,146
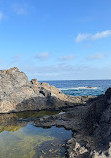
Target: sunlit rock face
x,y
17,93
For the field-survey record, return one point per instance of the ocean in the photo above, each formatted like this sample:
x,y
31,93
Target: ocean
x,y
81,87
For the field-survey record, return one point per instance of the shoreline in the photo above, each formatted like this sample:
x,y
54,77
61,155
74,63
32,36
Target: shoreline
x,y
88,117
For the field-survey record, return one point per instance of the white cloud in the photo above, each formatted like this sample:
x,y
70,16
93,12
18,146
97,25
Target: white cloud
x,y
65,58
49,72
87,36
102,34
42,55
82,37
97,56
1,16
67,72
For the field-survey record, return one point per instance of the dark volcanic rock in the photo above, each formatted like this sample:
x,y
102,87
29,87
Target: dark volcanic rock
x,y
91,126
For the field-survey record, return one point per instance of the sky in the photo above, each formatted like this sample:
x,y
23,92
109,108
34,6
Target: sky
x,y
56,39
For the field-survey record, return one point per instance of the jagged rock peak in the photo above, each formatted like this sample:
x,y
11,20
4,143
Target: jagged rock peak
x,y
10,71
34,81
108,92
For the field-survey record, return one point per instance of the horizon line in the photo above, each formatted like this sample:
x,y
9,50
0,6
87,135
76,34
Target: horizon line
x,y
77,80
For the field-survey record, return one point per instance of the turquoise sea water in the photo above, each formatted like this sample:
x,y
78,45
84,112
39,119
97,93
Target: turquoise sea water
x,y
82,87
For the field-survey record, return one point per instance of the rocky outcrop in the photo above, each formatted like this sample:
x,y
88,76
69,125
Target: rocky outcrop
x,y
17,93
91,127
97,139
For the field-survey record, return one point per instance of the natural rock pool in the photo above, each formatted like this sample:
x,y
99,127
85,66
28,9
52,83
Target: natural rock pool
x,y
19,138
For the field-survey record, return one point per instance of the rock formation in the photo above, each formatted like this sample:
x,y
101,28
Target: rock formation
x,y
17,93
91,125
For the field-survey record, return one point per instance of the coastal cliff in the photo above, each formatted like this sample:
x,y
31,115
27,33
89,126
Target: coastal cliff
x,y
17,93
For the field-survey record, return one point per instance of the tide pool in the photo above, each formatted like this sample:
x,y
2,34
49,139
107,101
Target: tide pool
x,y
21,139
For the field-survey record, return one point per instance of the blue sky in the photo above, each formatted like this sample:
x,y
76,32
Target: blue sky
x,y
56,39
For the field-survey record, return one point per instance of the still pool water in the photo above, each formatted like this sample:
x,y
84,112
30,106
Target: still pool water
x,y
19,138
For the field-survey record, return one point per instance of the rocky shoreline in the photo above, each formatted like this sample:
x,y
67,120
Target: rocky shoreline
x,y
17,94
88,117
90,125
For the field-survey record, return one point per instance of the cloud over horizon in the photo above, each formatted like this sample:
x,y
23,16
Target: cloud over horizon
x,y
42,56
96,56
91,37
56,72
67,57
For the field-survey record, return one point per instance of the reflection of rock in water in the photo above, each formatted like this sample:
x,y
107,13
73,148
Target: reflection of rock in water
x,y
51,149
25,142
9,122
14,121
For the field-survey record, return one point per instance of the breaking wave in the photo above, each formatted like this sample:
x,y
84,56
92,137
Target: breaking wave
x,y
79,88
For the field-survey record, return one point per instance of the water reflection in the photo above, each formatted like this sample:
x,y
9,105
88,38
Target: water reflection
x,y
20,139
14,121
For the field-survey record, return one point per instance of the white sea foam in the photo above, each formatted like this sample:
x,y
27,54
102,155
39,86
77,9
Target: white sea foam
x,y
61,113
78,88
